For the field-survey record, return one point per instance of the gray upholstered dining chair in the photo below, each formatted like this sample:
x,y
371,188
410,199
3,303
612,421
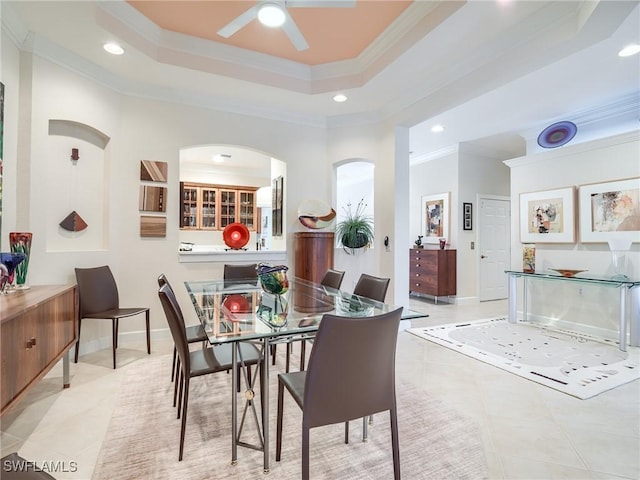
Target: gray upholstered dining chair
x,y
351,375
240,272
332,279
195,334
372,287
198,362
98,295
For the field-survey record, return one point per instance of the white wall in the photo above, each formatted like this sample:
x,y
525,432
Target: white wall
x,y
598,161
11,179
139,129
378,143
480,172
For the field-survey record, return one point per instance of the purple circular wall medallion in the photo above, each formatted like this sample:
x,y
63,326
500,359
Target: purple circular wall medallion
x,y
557,134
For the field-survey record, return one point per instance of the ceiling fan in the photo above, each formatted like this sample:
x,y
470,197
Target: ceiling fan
x,y
274,13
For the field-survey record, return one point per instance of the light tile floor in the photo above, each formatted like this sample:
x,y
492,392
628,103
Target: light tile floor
x,y
528,431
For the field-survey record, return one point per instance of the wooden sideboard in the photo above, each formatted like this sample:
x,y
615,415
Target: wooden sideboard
x,y
432,272
38,328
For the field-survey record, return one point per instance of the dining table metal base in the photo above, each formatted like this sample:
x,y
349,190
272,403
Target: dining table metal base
x,y
262,425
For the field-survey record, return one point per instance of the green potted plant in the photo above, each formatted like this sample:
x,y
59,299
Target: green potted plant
x,y
355,230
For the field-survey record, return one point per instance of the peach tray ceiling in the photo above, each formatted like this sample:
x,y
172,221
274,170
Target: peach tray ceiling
x,y
333,34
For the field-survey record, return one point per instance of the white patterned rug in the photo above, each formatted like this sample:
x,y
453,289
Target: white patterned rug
x,y
572,363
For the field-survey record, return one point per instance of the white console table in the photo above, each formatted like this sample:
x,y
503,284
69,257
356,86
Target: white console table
x,y
629,299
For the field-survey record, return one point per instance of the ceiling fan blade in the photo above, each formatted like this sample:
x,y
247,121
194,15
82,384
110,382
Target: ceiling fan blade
x,y
321,3
294,33
240,21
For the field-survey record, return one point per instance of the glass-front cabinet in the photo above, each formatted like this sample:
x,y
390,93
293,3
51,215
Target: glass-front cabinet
x,y
213,207
227,207
247,207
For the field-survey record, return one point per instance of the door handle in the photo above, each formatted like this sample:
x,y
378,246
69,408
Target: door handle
x,y
483,256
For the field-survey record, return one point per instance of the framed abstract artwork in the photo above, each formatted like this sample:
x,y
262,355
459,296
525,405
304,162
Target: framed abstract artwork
x,y
152,199
467,216
435,217
277,206
548,216
152,171
610,211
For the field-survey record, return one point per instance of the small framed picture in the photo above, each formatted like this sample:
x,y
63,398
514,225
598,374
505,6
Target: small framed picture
x,y
467,216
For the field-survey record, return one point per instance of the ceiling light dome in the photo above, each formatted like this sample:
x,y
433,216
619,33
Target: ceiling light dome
x,y
629,50
271,15
113,48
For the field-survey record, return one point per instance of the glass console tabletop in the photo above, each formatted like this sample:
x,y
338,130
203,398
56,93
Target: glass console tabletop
x,y
582,277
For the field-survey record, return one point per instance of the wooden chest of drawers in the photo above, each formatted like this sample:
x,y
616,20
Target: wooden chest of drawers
x,y
432,272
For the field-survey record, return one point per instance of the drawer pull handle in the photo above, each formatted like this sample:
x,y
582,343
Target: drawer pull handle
x,y
29,345
33,341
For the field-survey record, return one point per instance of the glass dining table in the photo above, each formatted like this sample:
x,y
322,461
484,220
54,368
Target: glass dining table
x,y
240,311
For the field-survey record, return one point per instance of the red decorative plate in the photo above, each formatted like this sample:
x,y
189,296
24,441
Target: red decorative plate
x,y
236,235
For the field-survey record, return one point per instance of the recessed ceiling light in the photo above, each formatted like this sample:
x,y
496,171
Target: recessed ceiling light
x,y
113,48
629,50
437,129
340,97
271,15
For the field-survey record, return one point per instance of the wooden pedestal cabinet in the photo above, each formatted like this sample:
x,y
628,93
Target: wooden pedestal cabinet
x,y
432,272
314,256
38,328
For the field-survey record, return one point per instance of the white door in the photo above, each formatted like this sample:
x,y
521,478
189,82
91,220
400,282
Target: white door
x,y
494,247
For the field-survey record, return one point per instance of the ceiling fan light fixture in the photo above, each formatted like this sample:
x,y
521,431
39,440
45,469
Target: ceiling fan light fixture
x,y
271,15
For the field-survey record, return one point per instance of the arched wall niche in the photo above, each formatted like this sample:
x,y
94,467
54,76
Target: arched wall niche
x,y
354,183
80,186
80,131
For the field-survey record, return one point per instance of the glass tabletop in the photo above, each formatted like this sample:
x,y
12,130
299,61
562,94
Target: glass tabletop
x,y
582,276
240,310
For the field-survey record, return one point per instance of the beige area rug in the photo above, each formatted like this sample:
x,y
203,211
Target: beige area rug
x,y
142,439
573,363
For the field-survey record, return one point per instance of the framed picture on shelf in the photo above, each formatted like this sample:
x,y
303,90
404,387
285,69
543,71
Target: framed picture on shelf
x,y
548,216
435,217
610,211
467,216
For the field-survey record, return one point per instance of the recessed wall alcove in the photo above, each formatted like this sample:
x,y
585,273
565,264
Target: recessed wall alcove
x,y
76,185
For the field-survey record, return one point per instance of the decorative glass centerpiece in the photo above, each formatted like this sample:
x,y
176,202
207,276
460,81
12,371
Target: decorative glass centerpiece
x,y
10,260
273,310
273,279
273,307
